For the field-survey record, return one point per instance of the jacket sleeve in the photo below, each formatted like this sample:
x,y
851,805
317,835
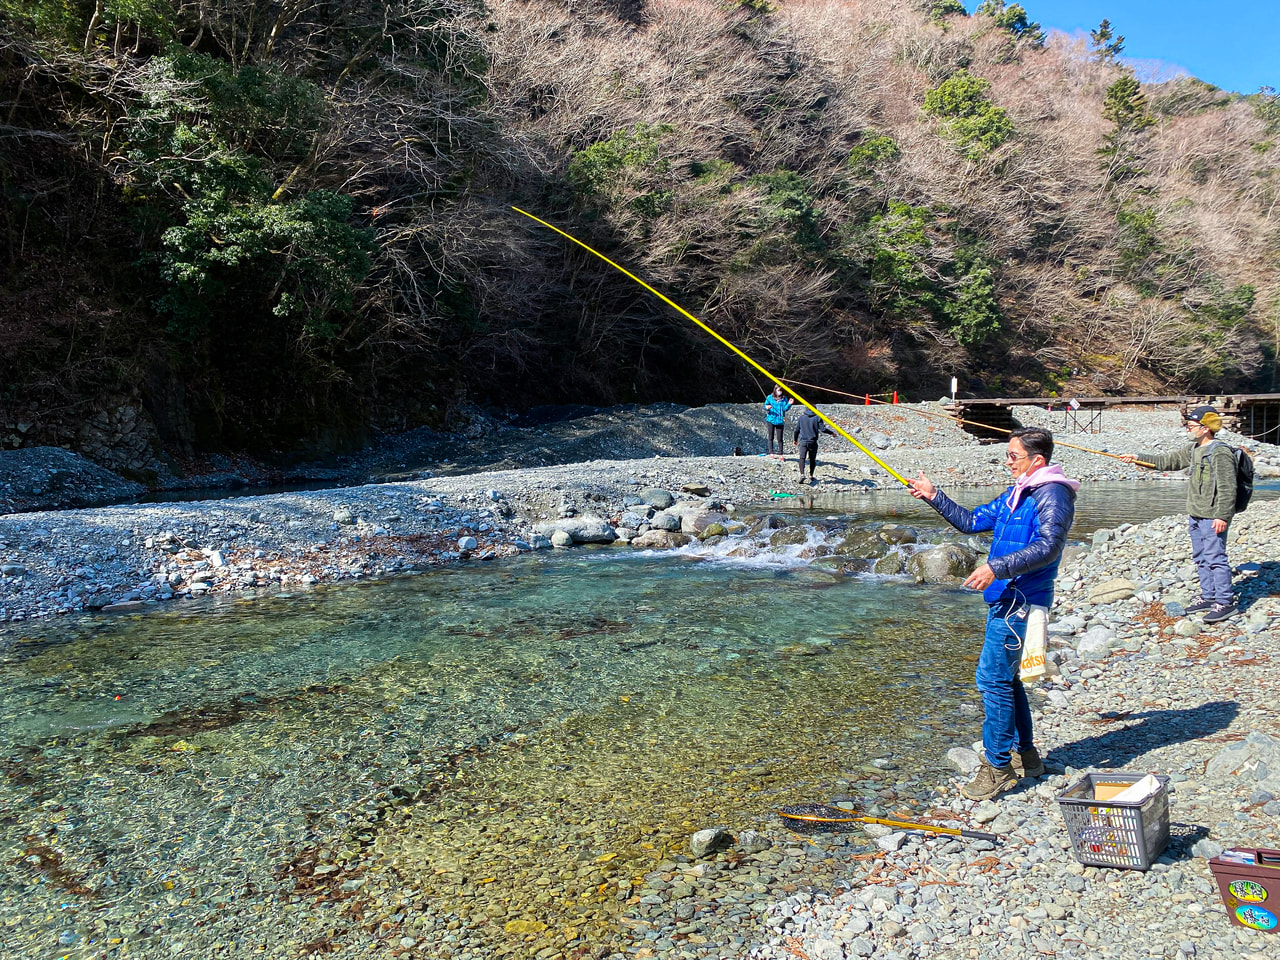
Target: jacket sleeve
x,y
826,429
1179,459
964,520
1223,465
1055,510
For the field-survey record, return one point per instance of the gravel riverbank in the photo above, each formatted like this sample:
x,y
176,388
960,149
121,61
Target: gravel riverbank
x,y
1142,688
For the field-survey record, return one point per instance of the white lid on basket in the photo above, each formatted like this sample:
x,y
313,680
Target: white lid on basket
x,y
1139,791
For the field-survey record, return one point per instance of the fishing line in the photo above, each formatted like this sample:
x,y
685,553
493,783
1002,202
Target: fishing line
x,y
671,303
972,423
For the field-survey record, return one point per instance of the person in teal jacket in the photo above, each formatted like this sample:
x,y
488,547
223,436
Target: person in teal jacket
x,y
776,406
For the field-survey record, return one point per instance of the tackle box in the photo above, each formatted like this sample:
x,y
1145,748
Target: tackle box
x,y
1249,881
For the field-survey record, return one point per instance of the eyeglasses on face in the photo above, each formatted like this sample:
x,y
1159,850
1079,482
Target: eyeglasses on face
x,y
1015,457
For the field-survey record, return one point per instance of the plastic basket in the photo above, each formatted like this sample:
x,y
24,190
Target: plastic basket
x,y
1106,833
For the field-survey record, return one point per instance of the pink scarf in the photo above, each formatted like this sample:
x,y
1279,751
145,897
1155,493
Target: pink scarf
x,y
1052,473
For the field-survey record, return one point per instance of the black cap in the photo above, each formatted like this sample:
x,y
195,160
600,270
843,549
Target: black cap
x,y
1206,416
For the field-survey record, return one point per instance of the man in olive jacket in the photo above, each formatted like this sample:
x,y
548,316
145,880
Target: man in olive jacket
x,y
1211,503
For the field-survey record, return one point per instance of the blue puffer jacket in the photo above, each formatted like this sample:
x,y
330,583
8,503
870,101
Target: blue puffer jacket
x,y
1027,543
775,409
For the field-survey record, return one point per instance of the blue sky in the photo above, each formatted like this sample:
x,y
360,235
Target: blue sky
x,y
1233,45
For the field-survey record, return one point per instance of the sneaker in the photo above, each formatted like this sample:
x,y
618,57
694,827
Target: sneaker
x,y
1200,606
801,480
1027,763
1219,612
989,782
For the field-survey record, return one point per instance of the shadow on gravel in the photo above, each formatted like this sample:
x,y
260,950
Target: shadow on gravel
x,y
1253,582
1144,731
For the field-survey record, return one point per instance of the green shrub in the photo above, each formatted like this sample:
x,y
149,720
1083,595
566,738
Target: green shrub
x,y
972,311
939,10
976,124
897,261
789,201
301,259
629,165
873,151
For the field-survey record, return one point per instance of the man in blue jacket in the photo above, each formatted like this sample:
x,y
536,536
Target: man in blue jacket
x,y
1030,521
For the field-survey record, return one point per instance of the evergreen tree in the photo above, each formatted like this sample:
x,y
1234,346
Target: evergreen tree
x,y
1013,19
1124,105
1106,45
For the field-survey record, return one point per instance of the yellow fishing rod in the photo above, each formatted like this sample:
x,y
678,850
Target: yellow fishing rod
x,y
667,300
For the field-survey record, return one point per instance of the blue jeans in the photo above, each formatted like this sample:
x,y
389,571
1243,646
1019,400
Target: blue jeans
x,y
1209,550
1007,725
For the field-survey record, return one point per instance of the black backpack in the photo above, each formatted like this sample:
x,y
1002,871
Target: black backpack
x,y
1244,475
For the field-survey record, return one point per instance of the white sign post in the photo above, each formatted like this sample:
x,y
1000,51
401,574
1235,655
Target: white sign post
x,y
954,383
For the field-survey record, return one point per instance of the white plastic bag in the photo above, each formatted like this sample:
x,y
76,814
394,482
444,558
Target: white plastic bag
x,y
1035,646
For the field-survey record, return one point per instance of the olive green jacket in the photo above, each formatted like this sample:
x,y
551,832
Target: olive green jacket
x,y
1211,494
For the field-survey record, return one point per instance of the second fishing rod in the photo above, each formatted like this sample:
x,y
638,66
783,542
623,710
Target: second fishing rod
x,y
868,399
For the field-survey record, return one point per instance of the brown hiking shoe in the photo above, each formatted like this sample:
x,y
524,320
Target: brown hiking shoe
x,y
1027,763
989,782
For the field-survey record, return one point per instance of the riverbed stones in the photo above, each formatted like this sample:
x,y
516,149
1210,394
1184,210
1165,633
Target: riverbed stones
x,y
581,529
657,498
1112,591
1184,708
708,841
946,561
659,540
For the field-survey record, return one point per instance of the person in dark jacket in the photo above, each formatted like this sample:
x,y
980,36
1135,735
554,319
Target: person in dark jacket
x,y
776,406
1211,503
1029,521
806,437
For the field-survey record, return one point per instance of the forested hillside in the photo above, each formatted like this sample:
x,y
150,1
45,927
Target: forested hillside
x,y
260,225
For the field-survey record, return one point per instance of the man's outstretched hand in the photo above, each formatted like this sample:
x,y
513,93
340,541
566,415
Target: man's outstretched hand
x,y
922,488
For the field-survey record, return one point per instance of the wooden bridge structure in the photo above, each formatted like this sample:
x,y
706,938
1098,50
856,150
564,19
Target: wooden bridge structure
x,y
1255,415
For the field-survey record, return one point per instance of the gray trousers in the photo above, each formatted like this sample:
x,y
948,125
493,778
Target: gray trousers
x,y
1209,550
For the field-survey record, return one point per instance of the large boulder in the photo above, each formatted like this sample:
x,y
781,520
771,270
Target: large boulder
x,y
788,537
943,562
657,497
659,540
862,543
584,529
664,521
895,533
1097,643
888,566
1255,759
1113,591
